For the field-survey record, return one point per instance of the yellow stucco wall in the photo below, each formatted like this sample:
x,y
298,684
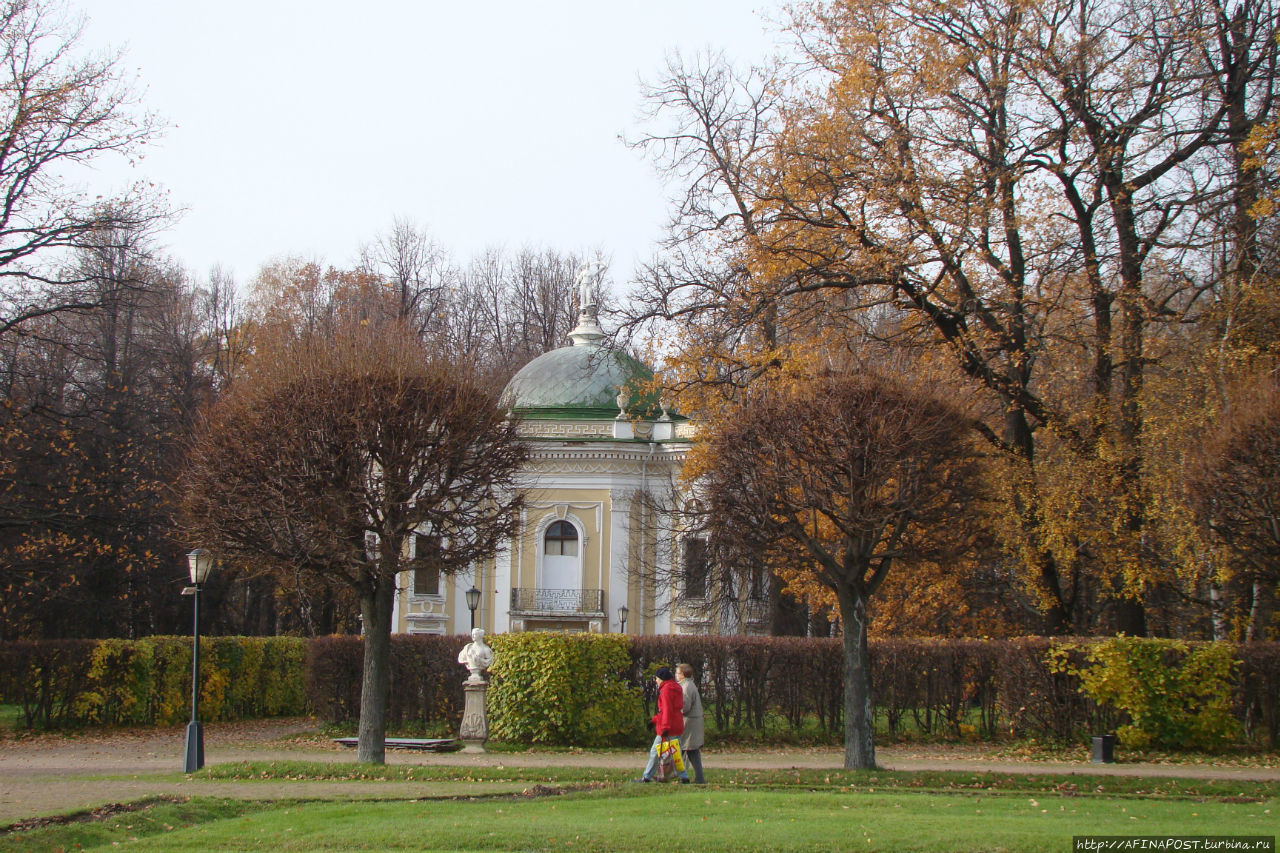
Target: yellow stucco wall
x,y
590,509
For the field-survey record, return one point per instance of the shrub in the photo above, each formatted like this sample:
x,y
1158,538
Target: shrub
x,y
170,680
426,682
561,688
1031,688
333,672
1176,695
1040,698
281,682
120,684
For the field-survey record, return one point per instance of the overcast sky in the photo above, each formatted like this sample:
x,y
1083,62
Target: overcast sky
x,y
305,127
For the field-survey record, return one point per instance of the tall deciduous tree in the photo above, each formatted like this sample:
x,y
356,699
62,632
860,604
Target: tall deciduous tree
x,y
334,451
840,478
711,133
58,110
418,272
95,405
1041,200
508,310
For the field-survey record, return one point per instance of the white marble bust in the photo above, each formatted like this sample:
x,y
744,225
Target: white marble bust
x,y
476,656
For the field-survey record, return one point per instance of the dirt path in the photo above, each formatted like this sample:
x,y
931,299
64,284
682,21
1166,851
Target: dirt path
x,y
47,775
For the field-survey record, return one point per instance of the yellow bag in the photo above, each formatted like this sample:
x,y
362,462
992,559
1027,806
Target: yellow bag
x,y
670,762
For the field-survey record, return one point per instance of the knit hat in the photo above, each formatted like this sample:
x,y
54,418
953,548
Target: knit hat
x,y
664,674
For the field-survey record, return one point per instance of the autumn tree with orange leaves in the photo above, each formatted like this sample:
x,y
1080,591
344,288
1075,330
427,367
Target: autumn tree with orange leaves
x,y
1044,196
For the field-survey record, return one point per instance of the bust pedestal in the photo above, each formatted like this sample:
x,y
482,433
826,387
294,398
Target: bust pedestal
x,y
475,725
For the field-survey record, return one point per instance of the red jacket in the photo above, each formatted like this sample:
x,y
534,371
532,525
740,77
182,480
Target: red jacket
x,y
669,721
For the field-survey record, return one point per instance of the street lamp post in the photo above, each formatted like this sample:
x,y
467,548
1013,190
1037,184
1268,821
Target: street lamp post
x,y
473,601
199,562
622,619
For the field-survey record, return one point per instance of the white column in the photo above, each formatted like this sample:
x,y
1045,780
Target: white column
x,y
499,598
662,556
400,603
619,554
660,525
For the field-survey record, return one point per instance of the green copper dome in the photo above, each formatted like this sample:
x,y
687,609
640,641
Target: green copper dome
x,y
581,381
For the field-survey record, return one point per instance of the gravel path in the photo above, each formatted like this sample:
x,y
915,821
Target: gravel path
x,y
52,774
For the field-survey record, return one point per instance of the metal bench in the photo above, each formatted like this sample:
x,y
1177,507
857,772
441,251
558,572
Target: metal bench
x,y
440,744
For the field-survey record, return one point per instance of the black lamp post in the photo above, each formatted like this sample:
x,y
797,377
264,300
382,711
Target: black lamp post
x,y
199,562
622,619
473,601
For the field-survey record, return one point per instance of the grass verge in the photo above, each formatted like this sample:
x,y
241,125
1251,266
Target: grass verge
x,y
922,781
591,809
670,818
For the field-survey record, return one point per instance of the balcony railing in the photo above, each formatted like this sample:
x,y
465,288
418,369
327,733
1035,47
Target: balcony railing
x,y
528,599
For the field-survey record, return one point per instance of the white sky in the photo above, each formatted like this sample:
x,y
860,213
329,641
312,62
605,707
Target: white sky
x,y
305,126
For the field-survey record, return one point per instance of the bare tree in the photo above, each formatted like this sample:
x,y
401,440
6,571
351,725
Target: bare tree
x,y
507,310
221,312
335,452
57,110
543,309
418,270
711,135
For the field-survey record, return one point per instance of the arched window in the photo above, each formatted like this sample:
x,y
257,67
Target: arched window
x,y
426,578
697,567
561,540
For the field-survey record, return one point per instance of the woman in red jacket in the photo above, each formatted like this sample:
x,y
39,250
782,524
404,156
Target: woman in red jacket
x,y
668,723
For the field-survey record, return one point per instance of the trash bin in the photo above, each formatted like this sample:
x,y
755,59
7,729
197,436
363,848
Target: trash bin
x,y
1104,749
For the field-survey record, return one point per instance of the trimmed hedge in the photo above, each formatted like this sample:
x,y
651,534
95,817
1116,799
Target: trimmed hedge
x,y
562,688
972,689
1038,688
44,678
426,680
148,682
1258,696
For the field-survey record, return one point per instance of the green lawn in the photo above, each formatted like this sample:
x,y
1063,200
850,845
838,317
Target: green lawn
x,y
669,819
808,811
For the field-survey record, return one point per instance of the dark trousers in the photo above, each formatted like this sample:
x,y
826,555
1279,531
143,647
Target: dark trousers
x,y
693,758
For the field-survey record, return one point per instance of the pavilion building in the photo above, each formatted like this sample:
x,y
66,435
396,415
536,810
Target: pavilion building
x,y
597,541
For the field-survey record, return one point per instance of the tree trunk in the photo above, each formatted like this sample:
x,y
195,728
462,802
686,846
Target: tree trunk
x,y
859,719
1262,605
375,609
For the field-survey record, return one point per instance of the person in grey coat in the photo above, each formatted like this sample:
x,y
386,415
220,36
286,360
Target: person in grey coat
x,y
692,739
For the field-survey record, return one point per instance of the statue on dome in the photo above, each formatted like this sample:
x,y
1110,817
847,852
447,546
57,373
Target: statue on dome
x,y
588,283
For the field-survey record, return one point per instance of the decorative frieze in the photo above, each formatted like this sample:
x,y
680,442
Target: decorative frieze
x,y
566,429
573,461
